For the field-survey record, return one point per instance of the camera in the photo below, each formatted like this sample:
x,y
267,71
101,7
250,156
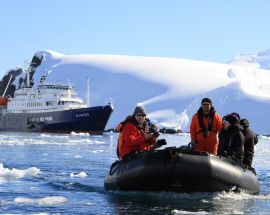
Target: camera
x,y
152,128
155,133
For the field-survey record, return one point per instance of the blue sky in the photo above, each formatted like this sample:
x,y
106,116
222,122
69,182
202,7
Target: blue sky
x,y
207,30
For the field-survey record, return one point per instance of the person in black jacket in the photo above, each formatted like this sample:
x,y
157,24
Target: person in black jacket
x,y
232,139
250,140
223,139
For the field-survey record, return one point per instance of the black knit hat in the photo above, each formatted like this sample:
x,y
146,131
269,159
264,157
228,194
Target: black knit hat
x,y
237,115
139,110
206,100
231,118
244,123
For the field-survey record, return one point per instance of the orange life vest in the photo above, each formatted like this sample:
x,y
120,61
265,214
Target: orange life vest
x,y
206,138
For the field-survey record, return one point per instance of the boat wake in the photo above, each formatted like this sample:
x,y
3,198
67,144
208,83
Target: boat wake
x,y
241,196
74,186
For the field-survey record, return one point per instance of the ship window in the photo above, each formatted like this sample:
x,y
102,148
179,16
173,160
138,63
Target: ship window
x,y
48,118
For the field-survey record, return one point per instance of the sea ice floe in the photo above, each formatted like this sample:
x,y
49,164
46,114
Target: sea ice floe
x,y
78,175
7,174
52,200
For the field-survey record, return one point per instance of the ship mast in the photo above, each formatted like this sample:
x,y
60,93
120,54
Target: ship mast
x,y
28,71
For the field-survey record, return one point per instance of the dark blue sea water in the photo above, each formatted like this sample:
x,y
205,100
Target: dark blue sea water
x,y
64,174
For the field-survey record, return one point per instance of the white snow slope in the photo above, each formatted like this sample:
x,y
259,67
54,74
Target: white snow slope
x,y
171,89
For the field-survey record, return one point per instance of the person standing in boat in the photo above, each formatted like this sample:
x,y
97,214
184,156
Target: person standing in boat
x,y
232,140
250,140
204,127
135,134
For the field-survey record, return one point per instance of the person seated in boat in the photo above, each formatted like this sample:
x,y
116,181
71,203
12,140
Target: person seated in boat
x,y
204,128
137,134
223,137
232,139
223,140
251,139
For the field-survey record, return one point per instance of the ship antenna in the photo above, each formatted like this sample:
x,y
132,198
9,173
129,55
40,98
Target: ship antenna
x,y
88,92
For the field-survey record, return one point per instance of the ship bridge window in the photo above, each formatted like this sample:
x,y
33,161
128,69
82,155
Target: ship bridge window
x,y
49,103
67,102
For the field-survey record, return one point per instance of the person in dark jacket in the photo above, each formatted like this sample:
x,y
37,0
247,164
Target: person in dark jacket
x,y
232,139
223,139
250,140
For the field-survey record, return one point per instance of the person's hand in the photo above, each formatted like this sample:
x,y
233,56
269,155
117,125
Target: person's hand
x,y
161,142
148,136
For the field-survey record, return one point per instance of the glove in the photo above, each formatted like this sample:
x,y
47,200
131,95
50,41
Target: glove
x,y
161,142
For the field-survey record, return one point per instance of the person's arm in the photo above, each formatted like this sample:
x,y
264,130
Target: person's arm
x,y
220,151
193,129
219,122
238,151
249,145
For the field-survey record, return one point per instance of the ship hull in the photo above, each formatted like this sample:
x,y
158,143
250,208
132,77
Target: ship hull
x,y
92,120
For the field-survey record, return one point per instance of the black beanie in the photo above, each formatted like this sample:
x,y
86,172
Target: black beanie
x,y
237,115
231,118
244,123
206,100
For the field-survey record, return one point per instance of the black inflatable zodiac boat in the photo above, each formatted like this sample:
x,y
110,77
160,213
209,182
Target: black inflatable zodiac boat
x,y
180,170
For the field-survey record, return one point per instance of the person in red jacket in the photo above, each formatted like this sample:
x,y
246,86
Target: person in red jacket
x,y
134,134
204,127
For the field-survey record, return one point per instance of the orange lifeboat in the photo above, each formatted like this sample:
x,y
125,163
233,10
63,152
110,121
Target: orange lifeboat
x,y
3,101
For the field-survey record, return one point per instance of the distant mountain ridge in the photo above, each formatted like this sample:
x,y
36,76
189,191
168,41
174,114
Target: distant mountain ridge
x,y
171,89
260,60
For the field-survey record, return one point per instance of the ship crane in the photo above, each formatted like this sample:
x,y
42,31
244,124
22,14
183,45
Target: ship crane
x,y
4,93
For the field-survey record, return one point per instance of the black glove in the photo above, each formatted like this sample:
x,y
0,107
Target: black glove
x,y
161,142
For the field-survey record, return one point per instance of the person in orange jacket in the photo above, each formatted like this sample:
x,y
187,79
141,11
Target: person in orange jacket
x,y
204,128
135,134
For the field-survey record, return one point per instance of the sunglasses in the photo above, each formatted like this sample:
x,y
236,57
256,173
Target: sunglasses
x,y
225,122
140,114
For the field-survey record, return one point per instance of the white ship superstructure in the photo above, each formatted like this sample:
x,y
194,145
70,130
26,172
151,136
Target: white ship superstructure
x,y
46,98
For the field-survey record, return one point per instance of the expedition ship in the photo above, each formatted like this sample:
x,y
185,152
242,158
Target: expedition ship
x,y
52,108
